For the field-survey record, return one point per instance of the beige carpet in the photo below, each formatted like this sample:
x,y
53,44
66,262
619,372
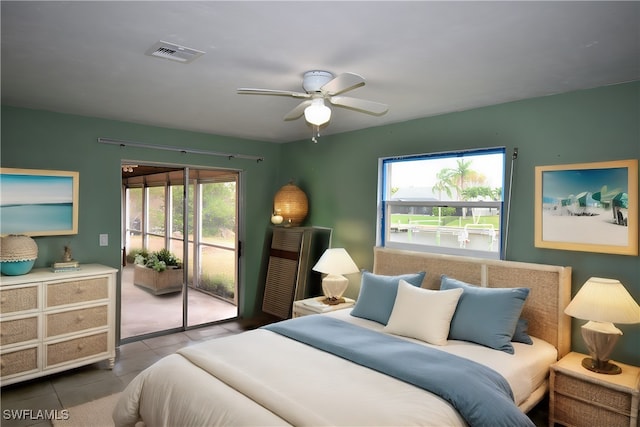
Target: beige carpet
x,y
96,413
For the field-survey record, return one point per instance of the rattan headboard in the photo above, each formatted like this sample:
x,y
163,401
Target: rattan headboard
x,y
544,309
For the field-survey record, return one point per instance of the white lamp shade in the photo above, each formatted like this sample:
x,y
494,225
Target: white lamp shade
x,y
317,113
335,261
604,300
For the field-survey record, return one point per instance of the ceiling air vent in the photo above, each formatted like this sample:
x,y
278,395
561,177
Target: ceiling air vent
x,y
174,52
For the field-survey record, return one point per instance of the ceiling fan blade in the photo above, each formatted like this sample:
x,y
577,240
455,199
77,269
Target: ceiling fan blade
x,y
298,111
254,91
342,83
369,107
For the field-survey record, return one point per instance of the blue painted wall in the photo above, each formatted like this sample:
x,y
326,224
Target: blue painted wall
x,y
339,175
340,172
33,139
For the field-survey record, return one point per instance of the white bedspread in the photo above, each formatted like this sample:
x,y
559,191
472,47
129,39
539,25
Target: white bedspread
x,y
525,370
262,378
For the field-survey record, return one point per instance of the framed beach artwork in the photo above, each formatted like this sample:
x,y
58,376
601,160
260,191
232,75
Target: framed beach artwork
x,y
590,207
38,202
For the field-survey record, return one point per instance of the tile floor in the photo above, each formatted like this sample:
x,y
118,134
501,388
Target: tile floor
x,y
94,381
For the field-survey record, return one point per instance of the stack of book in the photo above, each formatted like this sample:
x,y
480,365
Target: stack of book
x,y
61,266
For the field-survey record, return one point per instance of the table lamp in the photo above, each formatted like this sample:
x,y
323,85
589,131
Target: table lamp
x,y
602,302
334,263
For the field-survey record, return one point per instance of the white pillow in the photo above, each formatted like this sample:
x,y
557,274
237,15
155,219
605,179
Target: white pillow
x,y
423,314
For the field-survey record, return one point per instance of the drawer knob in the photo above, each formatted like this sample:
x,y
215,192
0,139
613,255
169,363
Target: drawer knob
x,y
80,318
3,300
80,346
79,290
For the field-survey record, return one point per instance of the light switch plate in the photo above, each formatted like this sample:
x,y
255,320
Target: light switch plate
x,y
104,240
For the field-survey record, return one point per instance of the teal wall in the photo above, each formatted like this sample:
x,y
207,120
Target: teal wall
x,y
340,172
33,139
339,175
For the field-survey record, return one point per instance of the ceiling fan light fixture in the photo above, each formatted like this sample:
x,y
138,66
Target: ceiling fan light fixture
x,y
317,113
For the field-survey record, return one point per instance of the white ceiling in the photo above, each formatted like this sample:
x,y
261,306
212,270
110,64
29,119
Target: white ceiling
x,y
421,58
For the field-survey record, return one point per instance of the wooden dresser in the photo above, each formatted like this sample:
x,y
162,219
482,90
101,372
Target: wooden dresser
x,y
51,322
579,397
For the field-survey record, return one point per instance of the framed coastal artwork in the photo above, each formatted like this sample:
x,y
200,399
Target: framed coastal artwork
x,y
590,207
38,202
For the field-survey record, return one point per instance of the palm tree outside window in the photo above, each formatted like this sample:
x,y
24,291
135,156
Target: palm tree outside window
x,y
443,202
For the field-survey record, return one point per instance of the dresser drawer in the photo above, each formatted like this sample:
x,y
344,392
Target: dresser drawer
x,y
19,361
18,299
76,348
76,320
593,393
574,412
82,290
54,321
19,330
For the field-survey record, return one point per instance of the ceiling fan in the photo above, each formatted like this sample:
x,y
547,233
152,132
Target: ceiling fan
x,y
320,86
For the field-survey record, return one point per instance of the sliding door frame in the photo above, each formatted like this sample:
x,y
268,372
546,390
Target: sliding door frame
x,y
239,238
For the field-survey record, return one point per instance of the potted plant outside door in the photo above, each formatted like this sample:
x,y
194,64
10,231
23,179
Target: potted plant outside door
x,y
159,272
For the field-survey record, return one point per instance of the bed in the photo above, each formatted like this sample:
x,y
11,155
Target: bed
x,y
328,369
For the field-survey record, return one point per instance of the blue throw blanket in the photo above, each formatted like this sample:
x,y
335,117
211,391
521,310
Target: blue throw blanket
x,y
481,395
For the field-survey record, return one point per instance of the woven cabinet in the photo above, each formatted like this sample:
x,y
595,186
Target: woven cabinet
x,y
51,322
292,255
579,397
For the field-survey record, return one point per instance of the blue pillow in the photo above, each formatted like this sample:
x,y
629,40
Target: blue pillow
x,y
378,294
486,316
521,334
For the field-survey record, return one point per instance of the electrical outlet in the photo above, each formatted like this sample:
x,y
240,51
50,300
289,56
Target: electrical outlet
x,y
104,240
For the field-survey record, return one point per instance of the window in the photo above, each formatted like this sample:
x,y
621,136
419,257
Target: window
x,y
445,202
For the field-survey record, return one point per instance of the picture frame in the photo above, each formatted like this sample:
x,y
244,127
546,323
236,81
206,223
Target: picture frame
x,y
591,207
38,202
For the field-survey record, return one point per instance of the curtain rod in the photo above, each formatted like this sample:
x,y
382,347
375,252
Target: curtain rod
x,y
230,156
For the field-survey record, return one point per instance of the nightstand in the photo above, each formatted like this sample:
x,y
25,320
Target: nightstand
x,y
579,397
315,306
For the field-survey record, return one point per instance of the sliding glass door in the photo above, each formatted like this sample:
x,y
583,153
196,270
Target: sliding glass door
x,y
215,240
155,218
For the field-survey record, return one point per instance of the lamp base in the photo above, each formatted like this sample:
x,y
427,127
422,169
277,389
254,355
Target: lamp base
x,y
333,300
333,286
602,367
600,338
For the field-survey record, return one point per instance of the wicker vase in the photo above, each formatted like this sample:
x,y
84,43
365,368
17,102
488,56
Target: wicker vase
x,y
18,253
292,204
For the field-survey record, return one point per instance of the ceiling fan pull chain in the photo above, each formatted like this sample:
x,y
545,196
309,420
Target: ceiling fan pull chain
x,y
316,134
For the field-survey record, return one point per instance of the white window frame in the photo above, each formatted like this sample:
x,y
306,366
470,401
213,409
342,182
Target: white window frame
x,y
383,228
